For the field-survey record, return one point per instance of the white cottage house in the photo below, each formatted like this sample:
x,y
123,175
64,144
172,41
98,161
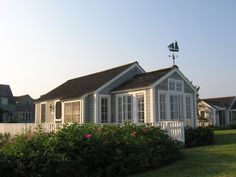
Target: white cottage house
x,y
120,94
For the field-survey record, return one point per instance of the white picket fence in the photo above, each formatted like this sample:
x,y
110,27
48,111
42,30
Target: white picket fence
x,y
175,129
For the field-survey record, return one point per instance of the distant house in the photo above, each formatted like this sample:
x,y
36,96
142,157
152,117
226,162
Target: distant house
x,y
123,94
24,109
219,111
7,103
16,109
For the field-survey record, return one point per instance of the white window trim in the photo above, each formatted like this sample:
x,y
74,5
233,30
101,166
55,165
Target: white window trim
x,y
81,110
108,97
134,106
40,112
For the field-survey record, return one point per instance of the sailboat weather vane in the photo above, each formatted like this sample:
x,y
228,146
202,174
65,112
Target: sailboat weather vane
x,y
173,47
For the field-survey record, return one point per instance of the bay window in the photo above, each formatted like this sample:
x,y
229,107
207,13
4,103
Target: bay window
x,y
174,104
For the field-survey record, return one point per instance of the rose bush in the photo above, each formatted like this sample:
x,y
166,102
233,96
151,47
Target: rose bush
x,y
89,150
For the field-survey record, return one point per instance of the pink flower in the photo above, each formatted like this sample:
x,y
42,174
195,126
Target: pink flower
x,y
133,134
87,136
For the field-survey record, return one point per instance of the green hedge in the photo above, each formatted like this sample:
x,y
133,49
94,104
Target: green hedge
x,y
199,136
89,150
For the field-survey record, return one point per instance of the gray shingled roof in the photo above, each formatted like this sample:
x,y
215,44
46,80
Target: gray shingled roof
x,y
234,105
77,87
5,91
224,102
144,80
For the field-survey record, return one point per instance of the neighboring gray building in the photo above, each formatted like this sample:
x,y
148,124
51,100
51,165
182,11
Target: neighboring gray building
x,y
124,93
15,109
219,111
24,109
7,103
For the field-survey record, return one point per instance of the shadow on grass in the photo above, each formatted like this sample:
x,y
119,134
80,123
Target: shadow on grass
x,y
208,162
218,160
225,137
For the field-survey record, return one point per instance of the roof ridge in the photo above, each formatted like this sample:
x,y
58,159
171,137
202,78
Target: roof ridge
x,y
103,71
214,98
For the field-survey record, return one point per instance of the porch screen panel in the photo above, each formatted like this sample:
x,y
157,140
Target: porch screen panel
x,y
68,113
76,112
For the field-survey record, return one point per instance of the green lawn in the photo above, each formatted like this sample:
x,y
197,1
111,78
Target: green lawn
x,y
217,160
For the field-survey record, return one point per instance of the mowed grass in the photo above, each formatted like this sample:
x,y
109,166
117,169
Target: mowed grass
x,y
218,160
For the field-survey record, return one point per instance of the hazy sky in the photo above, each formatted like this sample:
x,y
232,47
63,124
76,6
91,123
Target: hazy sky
x,y
43,43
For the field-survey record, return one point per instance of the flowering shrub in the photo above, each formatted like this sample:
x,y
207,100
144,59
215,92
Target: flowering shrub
x,y
89,150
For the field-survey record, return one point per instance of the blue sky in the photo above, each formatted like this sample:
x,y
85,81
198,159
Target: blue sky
x,y
43,43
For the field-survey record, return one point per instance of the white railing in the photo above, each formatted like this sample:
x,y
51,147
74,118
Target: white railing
x,y
175,129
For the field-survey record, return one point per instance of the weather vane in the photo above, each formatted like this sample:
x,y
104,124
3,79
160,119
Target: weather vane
x,y
173,47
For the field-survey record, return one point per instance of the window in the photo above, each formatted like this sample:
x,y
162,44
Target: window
x,y
58,110
43,113
140,108
178,87
104,110
175,85
171,85
162,106
125,108
72,112
202,114
176,107
188,107
233,119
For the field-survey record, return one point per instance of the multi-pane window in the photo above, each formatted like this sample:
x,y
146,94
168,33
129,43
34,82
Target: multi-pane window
x,y
43,113
175,85
178,87
162,106
104,110
171,85
72,112
176,107
202,114
140,107
188,107
125,108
